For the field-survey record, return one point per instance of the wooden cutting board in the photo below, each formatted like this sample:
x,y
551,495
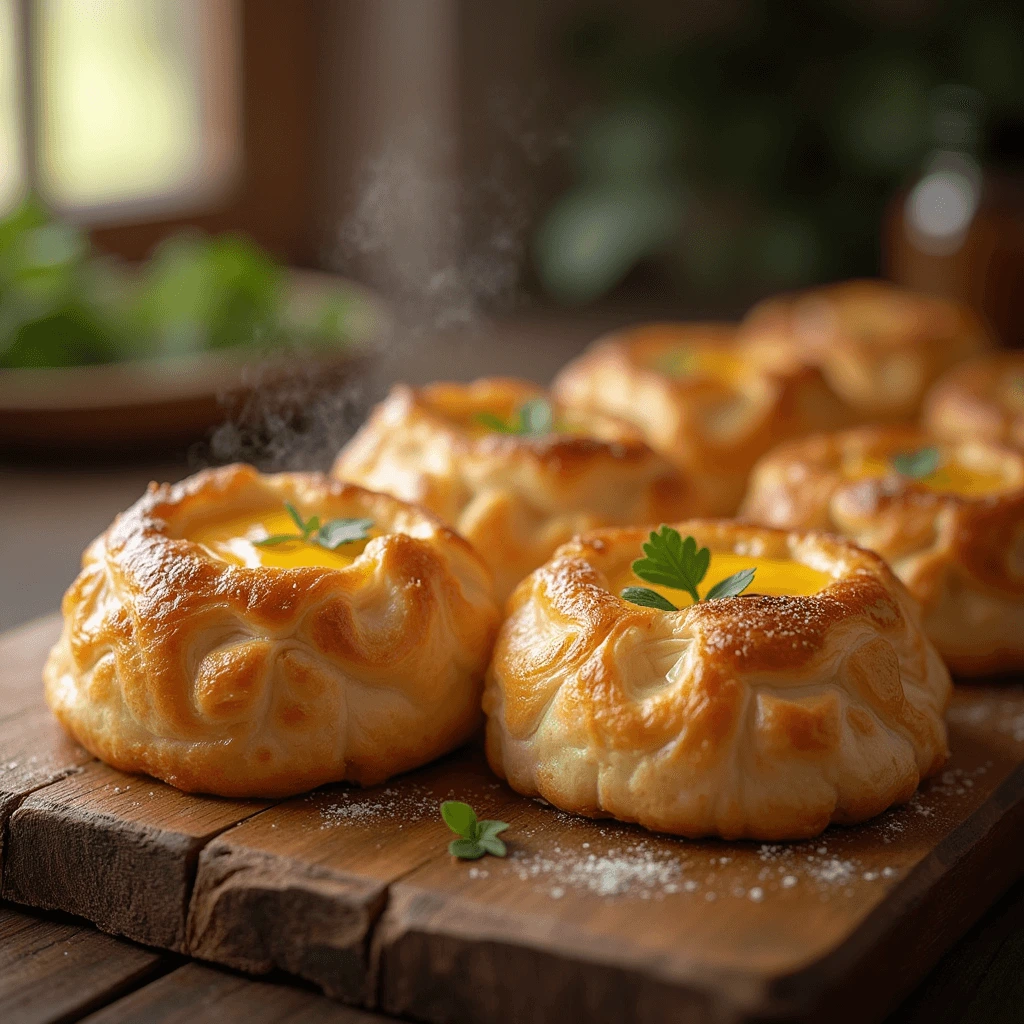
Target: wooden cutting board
x,y
354,891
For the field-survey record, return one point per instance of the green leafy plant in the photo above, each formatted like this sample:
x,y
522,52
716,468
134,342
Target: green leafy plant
x,y
674,562
917,465
476,837
330,535
531,419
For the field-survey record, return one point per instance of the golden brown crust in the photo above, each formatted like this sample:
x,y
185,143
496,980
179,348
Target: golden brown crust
x,y
714,429
879,346
751,717
961,557
266,682
982,398
515,498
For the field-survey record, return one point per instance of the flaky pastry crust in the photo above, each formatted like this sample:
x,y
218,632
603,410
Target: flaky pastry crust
x,y
751,717
515,498
961,557
879,346
714,429
981,398
267,682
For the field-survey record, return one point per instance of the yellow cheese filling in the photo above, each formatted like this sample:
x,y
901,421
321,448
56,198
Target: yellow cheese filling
x,y
234,541
951,477
776,576
688,361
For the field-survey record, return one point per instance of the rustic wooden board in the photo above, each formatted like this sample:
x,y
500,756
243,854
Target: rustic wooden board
x,y
353,890
301,886
116,849
201,995
55,970
34,750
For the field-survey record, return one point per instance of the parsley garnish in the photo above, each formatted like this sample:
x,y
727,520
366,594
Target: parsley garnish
x,y
679,564
917,465
678,362
330,536
532,418
478,837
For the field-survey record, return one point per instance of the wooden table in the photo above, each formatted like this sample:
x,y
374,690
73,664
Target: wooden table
x,y
55,968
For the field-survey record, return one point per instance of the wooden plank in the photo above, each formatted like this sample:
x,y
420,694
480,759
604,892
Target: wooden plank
x,y
55,970
34,750
22,653
300,887
201,995
610,922
117,849
981,979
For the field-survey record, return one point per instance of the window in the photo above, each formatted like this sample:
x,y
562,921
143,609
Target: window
x,y
129,109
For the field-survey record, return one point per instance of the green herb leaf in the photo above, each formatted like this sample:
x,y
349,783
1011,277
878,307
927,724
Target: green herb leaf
x,y
919,464
536,417
493,845
647,598
495,423
489,829
278,538
731,585
343,531
467,849
678,362
673,562
460,818
296,518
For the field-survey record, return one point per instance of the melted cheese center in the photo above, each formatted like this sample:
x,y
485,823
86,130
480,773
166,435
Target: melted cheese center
x,y
777,576
687,361
233,541
951,478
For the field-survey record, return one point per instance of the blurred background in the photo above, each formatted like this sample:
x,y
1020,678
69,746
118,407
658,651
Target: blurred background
x,y
226,226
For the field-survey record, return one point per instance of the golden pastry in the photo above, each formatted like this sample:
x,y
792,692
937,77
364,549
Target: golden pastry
x,y
879,346
949,519
514,474
813,698
699,401
982,398
206,643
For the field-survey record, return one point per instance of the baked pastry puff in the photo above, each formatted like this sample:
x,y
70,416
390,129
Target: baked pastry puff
x,y
206,643
514,473
948,518
879,346
981,398
699,401
770,715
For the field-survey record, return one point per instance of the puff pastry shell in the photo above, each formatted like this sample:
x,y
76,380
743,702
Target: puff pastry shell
x,y
713,419
879,346
749,717
961,556
266,682
982,398
514,497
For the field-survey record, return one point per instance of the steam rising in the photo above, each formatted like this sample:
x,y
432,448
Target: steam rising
x,y
445,257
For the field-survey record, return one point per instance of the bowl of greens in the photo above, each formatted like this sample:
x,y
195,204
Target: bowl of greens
x,y
97,352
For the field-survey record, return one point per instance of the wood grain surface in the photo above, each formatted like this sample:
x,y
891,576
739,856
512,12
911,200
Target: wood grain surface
x,y
34,750
200,995
119,850
55,970
354,890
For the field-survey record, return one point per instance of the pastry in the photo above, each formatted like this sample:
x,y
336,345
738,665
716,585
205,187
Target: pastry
x,y
879,346
813,698
948,518
982,398
207,644
515,474
699,402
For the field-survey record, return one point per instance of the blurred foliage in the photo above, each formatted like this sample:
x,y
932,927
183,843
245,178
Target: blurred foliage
x,y
63,305
761,153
